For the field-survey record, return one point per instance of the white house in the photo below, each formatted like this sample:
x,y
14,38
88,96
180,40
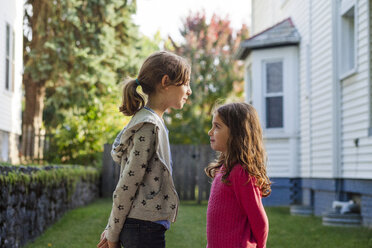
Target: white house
x,y
11,66
308,73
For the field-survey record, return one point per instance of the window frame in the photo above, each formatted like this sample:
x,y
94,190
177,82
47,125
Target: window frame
x,y
270,95
9,58
344,41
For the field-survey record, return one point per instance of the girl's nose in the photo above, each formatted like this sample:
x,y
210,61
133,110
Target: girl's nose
x,y
189,91
210,132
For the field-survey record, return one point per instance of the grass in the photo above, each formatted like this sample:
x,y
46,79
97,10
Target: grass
x,y
82,227
306,232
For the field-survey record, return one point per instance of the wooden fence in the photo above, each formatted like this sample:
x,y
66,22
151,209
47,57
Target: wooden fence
x,y
34,145
189,162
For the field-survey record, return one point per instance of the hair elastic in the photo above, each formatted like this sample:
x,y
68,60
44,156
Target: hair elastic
x,y
137,82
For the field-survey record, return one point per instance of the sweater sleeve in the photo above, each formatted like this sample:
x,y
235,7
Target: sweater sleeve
x,y
249,197
144,140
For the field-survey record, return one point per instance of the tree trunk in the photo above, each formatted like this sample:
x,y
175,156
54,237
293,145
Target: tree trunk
x,y
32,119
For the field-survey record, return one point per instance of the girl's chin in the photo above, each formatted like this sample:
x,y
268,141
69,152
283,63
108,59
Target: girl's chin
x,y
180,106
212,146
215,148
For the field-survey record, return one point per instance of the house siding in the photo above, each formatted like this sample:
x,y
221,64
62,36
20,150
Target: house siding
x,y
321,90
356,145
333,164
315,77
279,157
302,22
11,12
271,16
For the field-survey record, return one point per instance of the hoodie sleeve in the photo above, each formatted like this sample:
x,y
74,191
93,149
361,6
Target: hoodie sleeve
x,y
136,161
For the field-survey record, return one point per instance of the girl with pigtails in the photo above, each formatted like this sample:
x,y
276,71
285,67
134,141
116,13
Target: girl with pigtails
x,y
145,200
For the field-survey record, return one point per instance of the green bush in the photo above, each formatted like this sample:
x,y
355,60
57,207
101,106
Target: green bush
x,y
48,176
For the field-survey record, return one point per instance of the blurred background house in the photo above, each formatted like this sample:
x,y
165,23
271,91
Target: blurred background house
x,y
11,57
308,73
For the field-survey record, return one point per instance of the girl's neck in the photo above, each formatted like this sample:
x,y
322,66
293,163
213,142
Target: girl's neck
x,y
157,106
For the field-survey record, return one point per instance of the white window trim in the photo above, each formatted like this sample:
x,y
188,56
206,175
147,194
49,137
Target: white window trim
x,y
283,3
349,73
265,95
346,5
249,84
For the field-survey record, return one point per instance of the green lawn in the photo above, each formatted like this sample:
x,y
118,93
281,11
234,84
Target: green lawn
x,y
82,227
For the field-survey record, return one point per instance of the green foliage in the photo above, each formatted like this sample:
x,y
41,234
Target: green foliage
x,y
82,50
216,75
80,137
67,175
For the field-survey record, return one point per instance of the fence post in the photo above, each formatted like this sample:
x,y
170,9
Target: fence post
x,y
206,155
199,175
109,179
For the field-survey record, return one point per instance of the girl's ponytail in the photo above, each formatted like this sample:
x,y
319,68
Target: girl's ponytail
x,y
132,101
150,75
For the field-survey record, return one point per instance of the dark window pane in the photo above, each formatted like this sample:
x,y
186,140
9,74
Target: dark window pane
x,y
274,77
7,74
274,112
7,40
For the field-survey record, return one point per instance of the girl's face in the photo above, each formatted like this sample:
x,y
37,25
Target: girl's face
x,y
177,95
219,134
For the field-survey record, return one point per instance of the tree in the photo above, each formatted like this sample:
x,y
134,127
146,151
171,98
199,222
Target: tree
x,y
75,51
215,75
79,135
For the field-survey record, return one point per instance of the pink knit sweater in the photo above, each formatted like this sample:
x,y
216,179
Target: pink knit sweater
x,y
236,217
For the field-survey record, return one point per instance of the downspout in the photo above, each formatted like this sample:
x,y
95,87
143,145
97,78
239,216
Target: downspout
x,y
309,95
369,67
336,90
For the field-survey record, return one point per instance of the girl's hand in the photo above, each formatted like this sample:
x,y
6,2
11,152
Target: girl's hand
x,y
103,235
104,243
113,244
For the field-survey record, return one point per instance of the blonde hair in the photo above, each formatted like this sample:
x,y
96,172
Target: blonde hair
x,y
155,67
244,145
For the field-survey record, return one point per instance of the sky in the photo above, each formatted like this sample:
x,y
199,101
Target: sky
x,y
166,15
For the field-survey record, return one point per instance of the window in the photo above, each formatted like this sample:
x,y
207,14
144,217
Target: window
x,y
274,94
9,58
348,37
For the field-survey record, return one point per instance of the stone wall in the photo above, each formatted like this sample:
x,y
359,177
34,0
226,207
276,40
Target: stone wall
x,y
30,202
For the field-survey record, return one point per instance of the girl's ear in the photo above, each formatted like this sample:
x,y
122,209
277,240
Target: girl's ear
x,y
164,81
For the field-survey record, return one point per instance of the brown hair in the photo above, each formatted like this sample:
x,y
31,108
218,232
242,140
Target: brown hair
x,y
155,67
244,145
